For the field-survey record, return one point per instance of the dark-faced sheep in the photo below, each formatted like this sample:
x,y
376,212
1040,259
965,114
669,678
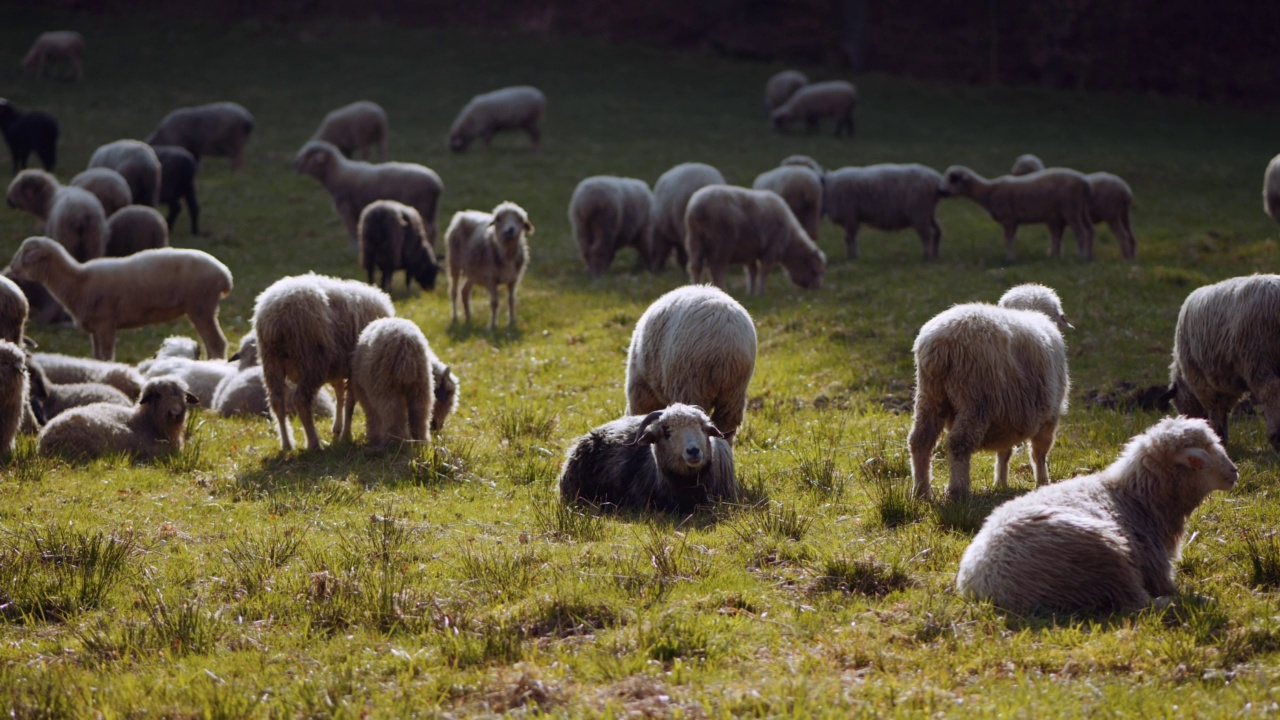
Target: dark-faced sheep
x,y
135,228
137,162
520,107
834,98
1056,197
781,87
393,237
609,213
801,188
488,249
356,128
153,427
25,132
887,197
178,170
107,185
671,195
14,394
218,129
391,377
71,215
57,46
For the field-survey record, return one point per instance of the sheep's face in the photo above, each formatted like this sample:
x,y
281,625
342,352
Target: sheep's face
x,y
168,400
313,161
33,254
681,436
780,119
445,391
809,271
1210,468
957,181
510,222
31,190
458,142
1184,400
425,271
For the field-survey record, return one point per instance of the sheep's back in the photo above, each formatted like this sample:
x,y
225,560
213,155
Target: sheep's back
x,y
1228,334
886,196
672,191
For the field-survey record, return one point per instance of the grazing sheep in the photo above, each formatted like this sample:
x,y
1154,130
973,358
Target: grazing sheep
x,y
14,394
728,225
1057,197
107,185
56,46
1103,542
670,200
137,162
68,370
490,249
1026,164
887,197
393,237
993,376
360,126
1110,201
834,98
391,379
781,87
153,427
513,108
669,460
148,287
609,213
219,129
27,131
14,310
306,328
801,188
694,345
135,228
178,170
1271,189
72,216
49,400
445,392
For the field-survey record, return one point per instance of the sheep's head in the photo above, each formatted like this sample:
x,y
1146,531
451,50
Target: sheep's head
x,y
780,118
681,436
446,393
802,161
806,267
1037,297
458,141
1026,164
1192,447
510,222
247,355
315,158
166,400
38,389
957,181
179,346
34,255
33,191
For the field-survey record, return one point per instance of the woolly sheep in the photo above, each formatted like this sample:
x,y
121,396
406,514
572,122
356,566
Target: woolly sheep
x,y
801,188
1026,164
781,87
392,380
148,287
219,129
72,216
56,46
360,126
608,213
671,459
802,161
445,392
694,345
1102,542
671,195
993,376
887,197
393,237
512,108
107,185
202,377
14,310
137,162
490,249
1271,189
728,225
27,131
155,426
68,370
834,98
178,170
1110,201
135,228
244,392
13,394
174,346
1057,197
49,399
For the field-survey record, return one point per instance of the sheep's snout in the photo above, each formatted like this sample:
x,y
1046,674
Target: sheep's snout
x,y
693,442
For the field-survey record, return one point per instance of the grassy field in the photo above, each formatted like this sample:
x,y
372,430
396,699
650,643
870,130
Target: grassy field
x,y
233,581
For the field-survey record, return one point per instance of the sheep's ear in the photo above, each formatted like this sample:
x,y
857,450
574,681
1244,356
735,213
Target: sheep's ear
x,y
1193,458
712,431
191,399
234,357
528,227
148,397
29,343
643,435
1170,394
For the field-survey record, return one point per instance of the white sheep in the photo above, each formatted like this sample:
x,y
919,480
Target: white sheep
x,y
801,188
781,87
107,185
887,197
68,370
391,378
834,98
14,394
178,357
608,213
694,345
671,195
134,228
1057,197
56,46
14,310
49,399
153,427
993,376
1103,542
489,249
393,237
1271,189
1110,201
245,393
137,163
71,215
520,107
218,129
358,127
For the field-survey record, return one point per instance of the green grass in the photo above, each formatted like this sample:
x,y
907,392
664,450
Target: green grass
x,y
231,581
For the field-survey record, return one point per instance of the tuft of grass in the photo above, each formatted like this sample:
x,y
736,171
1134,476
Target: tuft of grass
x,y
436,464
524,423
191,457
182,628
863,577
26,465
814,461
776,520
1263,552
485,645
252,562
53,573
676,636
497,573
567,521
886,474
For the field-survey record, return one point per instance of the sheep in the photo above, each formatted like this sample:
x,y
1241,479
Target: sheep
x,y
993,376
135,228
14,310
219,129
1026,164
174,346
56,46
360,126
148,287
671,195
1110,201
801,188
672,459
490,249
68,370
178,183
137,162
1103,542
520,107
27,131
781,87
72,216
244,393
202,377
1057,197
803,161
354,184
393,237
445,392
49,399
14,394
306,328
391,377
728,225
608,213
694,345
153,427
834,98
107,185
887,197
1271,189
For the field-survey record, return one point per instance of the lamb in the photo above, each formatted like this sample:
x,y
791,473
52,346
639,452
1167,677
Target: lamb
x,y
609,213
72,216
244,392
801,188
670,200
391,377
148,287
1110,201
49,400
1057,197
887,197
360,126
219,129
520,107
490,249
14,310
137,162
27,131
781,87
393,237
993,376
355,184
178,183
174,346
56,46
694,345
14,393
672,459
728,225
202,377
153,427
1026,164
135,228
306,328
107,185
68,370
834,98
1103,542
1271,189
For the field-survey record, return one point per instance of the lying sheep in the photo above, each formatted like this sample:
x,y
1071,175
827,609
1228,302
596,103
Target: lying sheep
x,y
694,345
14,393
993,376
245,393
353,184
1110,201
174,346
71,215
669,460
148,287
1057,197
728,225
1026,164
513,108
1271,189
153,427
107,185
219,129
14,310
608,213
178,183
135,228
178,357
801,188
781,87
137,162
393,237
887,197
670,200
391,379
68,370
360,126
490,249
57,46
29,131
1103,542
834,98
49,399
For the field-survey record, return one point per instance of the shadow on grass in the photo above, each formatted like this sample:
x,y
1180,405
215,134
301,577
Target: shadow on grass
x,y
967,515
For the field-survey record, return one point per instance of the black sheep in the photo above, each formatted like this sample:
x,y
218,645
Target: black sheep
x,y
178,182
28,131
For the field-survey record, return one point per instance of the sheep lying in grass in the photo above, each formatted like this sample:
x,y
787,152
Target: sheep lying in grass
x,y
178,170
1110,201
834,98
391,377
14,394
801,188
179,357
886,197
72,216
609,213
513,108
781,87
218,129
29,131
393,237
1102,542
489,249
245,393
135,228
694,345
670,201
68,370
49,399
137,162
64,46
358,127
107,185
153,427
671,459
993,376
14,310
1057,197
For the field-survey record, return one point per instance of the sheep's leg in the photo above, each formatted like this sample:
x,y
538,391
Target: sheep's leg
x,y
79,68
1002,468
1055,238
454,277
1011,242
811,123
964,440
375,433
206,323
466,299
493,306
762,272
717,276
346,398
511,304
306,395
851,239
1041,444
728,417
104,344
1082,228
418,429
273,378
695,269
535,135
937,237
193,207
925,428
1124,236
